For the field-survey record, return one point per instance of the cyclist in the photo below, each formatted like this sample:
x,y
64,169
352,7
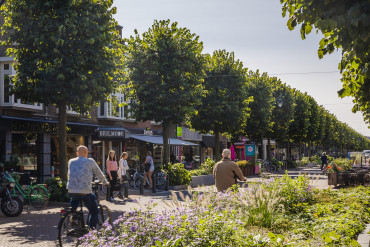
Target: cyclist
x,y
80,174
226,172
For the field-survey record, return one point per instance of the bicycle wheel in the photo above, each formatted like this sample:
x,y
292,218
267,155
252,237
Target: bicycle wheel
x,y
70,228
137,183
38,197
105,216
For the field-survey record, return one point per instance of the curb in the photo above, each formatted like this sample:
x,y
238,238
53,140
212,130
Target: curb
x,y
364,238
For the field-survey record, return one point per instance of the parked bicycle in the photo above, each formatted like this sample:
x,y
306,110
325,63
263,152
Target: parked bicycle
x,y
11,206
268,166
72,225
159,177
34,194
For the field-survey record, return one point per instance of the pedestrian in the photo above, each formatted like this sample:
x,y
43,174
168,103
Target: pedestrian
x,y
122,170
226,172
80,175
148,168
112,170
324,160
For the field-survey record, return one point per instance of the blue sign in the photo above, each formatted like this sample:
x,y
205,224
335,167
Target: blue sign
x,y
250,150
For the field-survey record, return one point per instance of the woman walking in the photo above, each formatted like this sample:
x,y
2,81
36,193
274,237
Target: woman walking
x,y
112,170
122,169
148,168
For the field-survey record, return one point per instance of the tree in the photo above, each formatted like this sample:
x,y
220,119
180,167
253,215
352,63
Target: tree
x,y
298,129
223,107
314,122
259,124
166,71
67,52
345,25
282,116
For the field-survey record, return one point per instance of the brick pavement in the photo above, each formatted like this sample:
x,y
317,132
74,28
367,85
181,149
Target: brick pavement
x,y
39,228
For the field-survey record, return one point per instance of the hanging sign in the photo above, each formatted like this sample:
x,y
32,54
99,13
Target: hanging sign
x,y
250,150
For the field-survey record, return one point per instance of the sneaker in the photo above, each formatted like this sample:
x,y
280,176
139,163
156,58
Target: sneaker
x,y
112,199
120,196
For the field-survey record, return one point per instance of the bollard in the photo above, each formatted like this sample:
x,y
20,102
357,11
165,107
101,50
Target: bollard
x,y
126,191
167,182
154,183
141,186
108,194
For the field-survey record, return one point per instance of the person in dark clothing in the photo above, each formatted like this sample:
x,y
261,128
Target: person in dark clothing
x,y
324,160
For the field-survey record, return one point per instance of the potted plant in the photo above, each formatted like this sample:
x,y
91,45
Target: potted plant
x,y
333,169
243,166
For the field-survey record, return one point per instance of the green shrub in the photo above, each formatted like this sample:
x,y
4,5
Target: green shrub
x,y
57,189
205,168
305,161
277,163
291,164
178,174
342,164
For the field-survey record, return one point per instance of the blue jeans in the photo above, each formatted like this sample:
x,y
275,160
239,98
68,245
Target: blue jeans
x,y
91,204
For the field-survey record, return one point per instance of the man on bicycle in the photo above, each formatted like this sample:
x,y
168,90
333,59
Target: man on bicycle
x,y
226,172
80,175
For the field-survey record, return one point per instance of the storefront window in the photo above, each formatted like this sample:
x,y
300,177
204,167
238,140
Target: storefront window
x,y
24,150
132,148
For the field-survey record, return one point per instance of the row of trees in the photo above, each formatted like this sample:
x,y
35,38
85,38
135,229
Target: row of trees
x,y
69,53
172,82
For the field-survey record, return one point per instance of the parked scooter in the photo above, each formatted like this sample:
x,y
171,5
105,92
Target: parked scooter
x,y
10,206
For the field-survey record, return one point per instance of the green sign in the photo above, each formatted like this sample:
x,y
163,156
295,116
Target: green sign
x,y
250,150
179,131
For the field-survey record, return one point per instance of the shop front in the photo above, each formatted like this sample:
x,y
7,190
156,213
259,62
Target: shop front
x,y
106,139
32,145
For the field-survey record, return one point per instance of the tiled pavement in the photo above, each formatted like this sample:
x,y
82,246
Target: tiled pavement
x,y
39,228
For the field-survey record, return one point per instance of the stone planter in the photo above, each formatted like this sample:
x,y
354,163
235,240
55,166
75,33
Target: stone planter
x,y
178,187
202,180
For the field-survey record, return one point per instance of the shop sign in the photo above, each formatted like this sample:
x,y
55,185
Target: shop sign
x,y
179,131
111,133
239,143
250,150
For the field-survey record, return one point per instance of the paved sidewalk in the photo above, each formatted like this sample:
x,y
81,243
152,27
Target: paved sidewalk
x,y
39,228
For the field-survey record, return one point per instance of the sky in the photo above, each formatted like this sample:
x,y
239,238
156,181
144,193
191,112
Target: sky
x,y
258,35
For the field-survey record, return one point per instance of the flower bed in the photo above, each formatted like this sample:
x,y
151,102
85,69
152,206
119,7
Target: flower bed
x,y
274,212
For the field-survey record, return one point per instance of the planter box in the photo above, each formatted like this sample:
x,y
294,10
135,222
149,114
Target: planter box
x,y
332,178
202,180
244,171
250,170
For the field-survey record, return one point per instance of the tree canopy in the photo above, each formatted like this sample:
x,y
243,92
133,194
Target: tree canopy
x,y
345,24
67,53
223,107
166,72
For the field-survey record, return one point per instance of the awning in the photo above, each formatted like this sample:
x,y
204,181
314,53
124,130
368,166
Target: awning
x,y
47,121
159,140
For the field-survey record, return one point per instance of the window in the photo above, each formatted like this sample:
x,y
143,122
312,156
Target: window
x,y
115,107
6,66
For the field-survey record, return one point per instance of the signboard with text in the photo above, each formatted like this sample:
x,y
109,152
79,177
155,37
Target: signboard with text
x,y
111,134
250,150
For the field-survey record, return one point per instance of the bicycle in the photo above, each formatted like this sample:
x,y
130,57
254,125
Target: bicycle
x,y
268,166
159,177
35,195
72,224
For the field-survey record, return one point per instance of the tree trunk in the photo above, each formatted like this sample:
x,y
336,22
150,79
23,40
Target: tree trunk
x,y
166,152
289,156
217,146
300,150
269,149
309,149
63,167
